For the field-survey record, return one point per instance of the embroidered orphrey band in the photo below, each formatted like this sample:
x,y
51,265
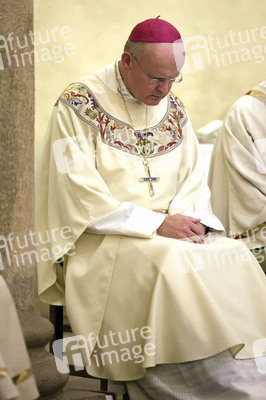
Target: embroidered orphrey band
x,y
18,378
258,95
248,233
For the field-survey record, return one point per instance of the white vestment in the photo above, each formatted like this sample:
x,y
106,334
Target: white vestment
x,y
137,299
16,379
237,176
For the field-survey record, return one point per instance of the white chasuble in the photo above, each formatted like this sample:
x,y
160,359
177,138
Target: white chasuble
x,y
237,175
136,301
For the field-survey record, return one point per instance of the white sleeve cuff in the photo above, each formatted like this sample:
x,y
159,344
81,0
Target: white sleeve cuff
x,y
206,217
129,220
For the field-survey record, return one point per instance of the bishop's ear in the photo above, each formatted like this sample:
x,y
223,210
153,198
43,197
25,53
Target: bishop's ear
x,y
127,60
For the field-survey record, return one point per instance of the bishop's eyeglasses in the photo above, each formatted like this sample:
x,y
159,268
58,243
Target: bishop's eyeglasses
x,y
160,81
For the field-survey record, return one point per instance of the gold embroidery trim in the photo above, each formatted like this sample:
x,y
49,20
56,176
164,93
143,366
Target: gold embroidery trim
x,y
3,373
18,378
22,376
259,95
250,232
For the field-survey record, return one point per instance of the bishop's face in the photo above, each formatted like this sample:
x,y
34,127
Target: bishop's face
x,y
149,78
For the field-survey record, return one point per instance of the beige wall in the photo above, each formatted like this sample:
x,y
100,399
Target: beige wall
x,y
90,34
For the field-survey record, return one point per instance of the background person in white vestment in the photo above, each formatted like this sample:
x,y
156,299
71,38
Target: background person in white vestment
x,y
16,379
237,176
120,195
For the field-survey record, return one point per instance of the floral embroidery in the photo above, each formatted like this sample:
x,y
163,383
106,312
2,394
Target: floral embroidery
x,y
145,146
90,113
160,139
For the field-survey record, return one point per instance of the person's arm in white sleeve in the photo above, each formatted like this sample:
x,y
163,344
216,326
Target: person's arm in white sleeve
x,y
128,219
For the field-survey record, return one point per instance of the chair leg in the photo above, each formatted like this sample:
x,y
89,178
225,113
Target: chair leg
x,y
56,317
104,384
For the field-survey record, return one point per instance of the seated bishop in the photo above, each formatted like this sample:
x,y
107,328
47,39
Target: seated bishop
x,y
156,296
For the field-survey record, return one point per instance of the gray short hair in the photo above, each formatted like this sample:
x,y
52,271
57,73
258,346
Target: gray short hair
x,y
135,48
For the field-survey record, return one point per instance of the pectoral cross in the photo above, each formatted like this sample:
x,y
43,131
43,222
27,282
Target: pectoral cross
x,y
149,179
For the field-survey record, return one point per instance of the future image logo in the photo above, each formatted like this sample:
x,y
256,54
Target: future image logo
x,y
211,50
131,345
17,50
67,352
19,250
198,53
67,153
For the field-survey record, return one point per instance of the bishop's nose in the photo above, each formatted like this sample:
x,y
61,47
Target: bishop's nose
x,y
164,87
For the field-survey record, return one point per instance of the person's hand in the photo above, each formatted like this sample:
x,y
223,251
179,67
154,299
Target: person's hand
x,y
180,226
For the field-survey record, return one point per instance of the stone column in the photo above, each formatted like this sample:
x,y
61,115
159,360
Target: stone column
x,y
17,254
